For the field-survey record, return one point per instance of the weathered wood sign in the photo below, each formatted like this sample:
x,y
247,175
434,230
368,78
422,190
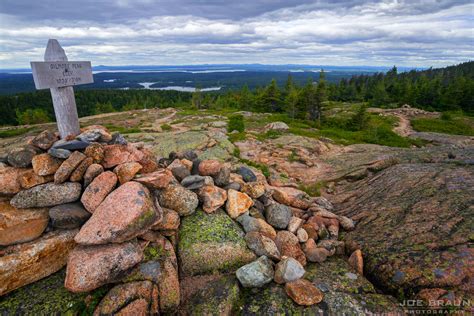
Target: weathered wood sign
x,y
59,75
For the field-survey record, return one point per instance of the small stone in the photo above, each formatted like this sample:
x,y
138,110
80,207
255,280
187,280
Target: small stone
x,y
45,164
313,253
277,126
209,167
179,199
118,139
90,267
289,246
78,174
127,171
346,223
324,203
257,273
278,215
92,171
68,166
212,197
125,213
44,140
253,189
302,235
303,292
181,172
10,180
195,168
251,224
59,153
49,194
98,190
117,154
95,135
148,161
29,179
71,145
95,151
356,261
222,178
18,226
21,157
294,224
190,155
156,180
233,186
262,245
288,270
68,216
170,221
247,174
193,182
237,203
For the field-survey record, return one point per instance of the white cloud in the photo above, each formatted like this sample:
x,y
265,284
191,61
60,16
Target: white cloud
x,y
382,33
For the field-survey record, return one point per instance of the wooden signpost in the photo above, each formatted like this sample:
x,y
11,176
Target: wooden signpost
x,y
59,75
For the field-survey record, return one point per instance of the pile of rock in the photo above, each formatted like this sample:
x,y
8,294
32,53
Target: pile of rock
x,y
112,210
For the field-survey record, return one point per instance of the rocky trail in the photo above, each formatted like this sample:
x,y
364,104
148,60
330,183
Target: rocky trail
x,y
207,233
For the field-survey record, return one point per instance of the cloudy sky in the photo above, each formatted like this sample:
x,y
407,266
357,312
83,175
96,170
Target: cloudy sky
x,y
172,32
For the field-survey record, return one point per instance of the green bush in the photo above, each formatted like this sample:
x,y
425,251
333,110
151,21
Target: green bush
x,y
455,126
166,127
32,116
236,123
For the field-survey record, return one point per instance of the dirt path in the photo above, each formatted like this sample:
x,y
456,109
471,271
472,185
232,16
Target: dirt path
x,y
404,128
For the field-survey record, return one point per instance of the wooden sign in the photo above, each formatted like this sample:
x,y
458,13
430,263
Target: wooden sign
x,y
59,75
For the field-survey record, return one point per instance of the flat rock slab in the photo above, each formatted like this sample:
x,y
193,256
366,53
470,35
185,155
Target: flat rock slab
x,y
415,226
211,242
68,216
26,263
48,194
124,214
21,225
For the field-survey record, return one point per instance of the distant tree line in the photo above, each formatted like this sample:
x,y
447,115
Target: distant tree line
x,y
444,89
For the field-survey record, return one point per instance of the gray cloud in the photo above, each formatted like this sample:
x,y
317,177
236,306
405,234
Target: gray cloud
x,y
354,32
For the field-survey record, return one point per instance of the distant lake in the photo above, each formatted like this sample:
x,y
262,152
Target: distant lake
x,y
148,85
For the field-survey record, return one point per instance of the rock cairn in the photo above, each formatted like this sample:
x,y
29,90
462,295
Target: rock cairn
x,y
111,212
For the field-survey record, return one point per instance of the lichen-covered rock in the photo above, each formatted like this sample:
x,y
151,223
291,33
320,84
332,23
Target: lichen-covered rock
x,y
211,242
118,154
125,213
92,171
89,267
288,270
257,273
10,180
212,197
357,262
29,179
95,151
253,189
237,203
21,157
303,292
45,164
67,167
406,244
123,295
278,215
262,245
292,197
44,140
156,180
209,167
179,199
288,245
252,224
170,221
26,263
68,216
17,226
126,171
49,194
78,173
98,190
